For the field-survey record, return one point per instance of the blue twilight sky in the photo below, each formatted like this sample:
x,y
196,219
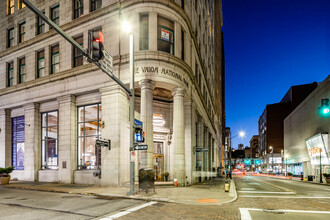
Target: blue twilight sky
x,y
271,45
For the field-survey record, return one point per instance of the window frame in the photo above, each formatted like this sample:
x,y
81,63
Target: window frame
x,y
20,74
159,27
40,24
142,29
81,165
78,11
10,7
45,151
40,58
93,5
51,58
10,73
21,35
75,57
54,19
9,40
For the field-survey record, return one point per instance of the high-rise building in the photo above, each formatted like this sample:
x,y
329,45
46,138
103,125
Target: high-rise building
x,y
54,104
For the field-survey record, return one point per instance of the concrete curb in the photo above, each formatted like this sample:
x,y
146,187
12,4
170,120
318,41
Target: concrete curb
x,y
232,192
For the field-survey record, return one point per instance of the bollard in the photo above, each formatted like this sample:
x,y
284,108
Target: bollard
x,y
227,186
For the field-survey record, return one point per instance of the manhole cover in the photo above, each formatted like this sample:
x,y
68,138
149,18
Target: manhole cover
x,y
273,211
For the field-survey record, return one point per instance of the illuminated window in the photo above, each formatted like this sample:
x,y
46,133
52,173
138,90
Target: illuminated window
x,y
89,130
49,139
20,5
10,7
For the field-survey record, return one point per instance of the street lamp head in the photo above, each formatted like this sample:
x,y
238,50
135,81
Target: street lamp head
x,y
126,26
286,156
270,147
241,133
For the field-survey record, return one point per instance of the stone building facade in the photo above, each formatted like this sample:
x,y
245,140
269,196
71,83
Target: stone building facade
x,y
54,105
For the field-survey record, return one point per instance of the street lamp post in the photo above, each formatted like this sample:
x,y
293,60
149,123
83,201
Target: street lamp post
x,y
272,158
241,134
286,163
127,28
320,166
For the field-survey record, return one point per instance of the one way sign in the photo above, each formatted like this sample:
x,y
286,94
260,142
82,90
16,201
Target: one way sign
x,y
141,147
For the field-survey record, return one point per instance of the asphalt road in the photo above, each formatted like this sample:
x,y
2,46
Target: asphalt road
x,y
258,198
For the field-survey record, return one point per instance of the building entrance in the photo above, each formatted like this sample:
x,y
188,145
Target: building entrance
x,y
159,161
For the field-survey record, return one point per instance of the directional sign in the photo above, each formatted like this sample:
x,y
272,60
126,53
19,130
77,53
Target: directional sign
x,y
202,150
107,62
137,122
104,143
141,147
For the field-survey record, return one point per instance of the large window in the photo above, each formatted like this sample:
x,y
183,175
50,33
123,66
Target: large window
x,y
49,139
10,7
78,8
10,37
54,59
40,25
95,4
55,14
89,129
10,74
21,70
40,64
144,32
21,35
165,35
77,54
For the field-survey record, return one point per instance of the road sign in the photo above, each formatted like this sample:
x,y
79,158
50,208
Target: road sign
x,y
141,147
202,150
137,122
104,143
107,62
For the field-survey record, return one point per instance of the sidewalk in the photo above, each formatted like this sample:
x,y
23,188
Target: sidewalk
x,y
206,193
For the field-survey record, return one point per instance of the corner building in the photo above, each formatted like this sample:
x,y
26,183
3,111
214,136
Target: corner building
x,y
54,105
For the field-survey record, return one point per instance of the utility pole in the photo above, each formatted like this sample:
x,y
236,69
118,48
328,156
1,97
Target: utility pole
x,y
320,166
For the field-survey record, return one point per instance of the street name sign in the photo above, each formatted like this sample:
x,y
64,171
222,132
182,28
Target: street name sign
x,y
107,62
137,122
141,147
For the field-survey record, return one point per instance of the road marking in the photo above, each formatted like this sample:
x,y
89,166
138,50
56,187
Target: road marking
x,y
254,183
276,186
266,192
248,189
287,197
120,214
245,214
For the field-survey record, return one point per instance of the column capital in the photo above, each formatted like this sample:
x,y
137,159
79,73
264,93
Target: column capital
x,y
147,84
31,106
178,91
66,98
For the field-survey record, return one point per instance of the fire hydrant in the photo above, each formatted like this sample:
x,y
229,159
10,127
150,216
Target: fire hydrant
x,y
227,186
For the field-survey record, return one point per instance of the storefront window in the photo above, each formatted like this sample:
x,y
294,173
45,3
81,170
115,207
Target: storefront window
x,y
165,35
49,151
18,136
89,130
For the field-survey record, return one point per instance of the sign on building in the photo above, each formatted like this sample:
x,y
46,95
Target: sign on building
x,y
317,147
165,35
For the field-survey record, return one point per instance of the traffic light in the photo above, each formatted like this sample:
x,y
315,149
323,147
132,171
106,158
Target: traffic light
x,y
325,108
97,45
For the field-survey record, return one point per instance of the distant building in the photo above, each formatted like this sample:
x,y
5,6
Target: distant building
x,y
271,125
306,136
240,147
254,145
248,152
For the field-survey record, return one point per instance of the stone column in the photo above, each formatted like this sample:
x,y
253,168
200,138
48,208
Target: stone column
x,y
179,135
115,115
153,20
32,145
67,148
5,138
189,139
147,87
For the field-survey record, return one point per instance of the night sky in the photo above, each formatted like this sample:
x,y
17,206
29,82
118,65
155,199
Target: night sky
x,y
271,45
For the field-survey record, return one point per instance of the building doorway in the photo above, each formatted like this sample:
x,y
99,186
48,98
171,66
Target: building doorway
x,y
159,161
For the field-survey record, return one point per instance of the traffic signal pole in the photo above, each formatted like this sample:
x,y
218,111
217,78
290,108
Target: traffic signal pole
x,y
130,90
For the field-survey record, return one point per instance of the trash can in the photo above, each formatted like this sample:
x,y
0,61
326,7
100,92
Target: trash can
x,y
146,179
